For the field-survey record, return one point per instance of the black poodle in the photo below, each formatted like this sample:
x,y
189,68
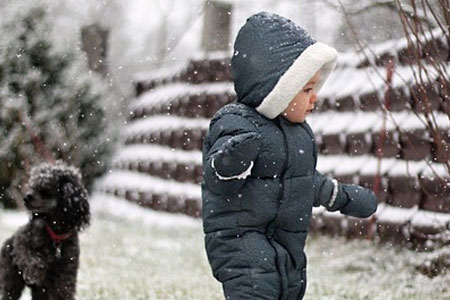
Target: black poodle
x,y
44,253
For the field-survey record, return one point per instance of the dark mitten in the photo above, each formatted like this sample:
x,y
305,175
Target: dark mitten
x,y
361,202
237,154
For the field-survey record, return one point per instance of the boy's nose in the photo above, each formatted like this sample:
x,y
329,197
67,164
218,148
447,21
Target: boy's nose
x,y
313,98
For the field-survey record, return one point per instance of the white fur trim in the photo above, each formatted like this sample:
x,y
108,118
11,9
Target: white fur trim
x,y
335,192
316,57
243,175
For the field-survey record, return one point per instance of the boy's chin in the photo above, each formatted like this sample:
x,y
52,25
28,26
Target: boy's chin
x,y
299,119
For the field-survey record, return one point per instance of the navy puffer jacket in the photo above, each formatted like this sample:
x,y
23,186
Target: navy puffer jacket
x,y
260,177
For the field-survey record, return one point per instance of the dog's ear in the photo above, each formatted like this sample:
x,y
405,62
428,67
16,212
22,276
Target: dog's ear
x,y
75,204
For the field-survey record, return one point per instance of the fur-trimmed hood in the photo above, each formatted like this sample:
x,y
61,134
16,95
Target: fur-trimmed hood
x,y
273,59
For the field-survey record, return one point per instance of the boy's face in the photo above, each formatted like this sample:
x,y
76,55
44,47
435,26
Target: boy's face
x,y
303,102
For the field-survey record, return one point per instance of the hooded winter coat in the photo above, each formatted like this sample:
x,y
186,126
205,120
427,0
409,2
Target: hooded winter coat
x,y
260,178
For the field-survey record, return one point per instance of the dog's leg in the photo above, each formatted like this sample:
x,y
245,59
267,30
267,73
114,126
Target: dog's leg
x,y
12,289
62,278
28,256
60,282
11,282
63,287
39,293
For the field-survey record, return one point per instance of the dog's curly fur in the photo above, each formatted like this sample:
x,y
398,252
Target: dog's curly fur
x,y
58,199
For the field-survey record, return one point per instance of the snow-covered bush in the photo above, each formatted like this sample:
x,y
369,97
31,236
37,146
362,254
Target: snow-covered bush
x,y
51,105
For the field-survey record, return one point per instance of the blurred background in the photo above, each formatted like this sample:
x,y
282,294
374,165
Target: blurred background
x,y
67,65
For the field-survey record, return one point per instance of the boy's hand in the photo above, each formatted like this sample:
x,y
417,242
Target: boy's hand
x,y
237,154
361,202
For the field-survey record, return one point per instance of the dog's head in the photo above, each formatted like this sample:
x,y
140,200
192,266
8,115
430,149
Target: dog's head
x,y
56,190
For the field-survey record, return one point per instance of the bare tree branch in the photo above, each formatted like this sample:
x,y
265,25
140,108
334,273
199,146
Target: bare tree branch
x,y
389,4
422,46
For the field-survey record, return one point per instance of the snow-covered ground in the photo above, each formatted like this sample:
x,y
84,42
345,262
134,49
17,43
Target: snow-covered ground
x,y
135,253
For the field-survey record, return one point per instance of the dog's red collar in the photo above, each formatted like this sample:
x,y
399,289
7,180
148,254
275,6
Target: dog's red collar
x,y
57,238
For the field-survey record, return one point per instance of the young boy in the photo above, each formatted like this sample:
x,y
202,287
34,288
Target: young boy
x,y
259,160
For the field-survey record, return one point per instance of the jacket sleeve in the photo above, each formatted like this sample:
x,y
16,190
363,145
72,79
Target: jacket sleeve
x,y
349,199
230,149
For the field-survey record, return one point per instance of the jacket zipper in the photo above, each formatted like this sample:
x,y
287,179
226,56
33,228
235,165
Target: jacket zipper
x,y
271,225
283,170
283,279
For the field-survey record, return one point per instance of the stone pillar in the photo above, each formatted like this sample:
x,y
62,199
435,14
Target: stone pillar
x,y
216,26
94,42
